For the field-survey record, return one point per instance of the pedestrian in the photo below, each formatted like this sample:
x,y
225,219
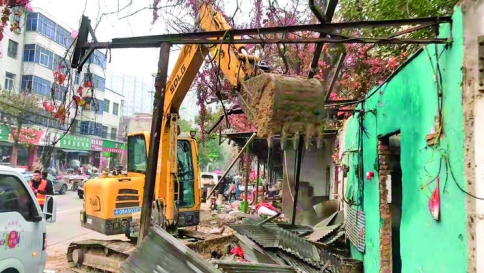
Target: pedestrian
x,y
41,188
237,184
232,192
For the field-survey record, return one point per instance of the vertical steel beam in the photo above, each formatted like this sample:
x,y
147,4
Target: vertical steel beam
x,y
247,174
330,9
156,122
257,181
297,174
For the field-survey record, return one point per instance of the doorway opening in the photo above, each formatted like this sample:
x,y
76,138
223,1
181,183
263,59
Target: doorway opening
x,y
394,196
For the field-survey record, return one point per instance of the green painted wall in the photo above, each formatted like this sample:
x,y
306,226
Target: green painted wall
x,y
408,103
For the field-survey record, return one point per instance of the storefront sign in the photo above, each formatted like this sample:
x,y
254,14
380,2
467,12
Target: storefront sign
x,y
3,133
113,147
49,137
76,143
96,144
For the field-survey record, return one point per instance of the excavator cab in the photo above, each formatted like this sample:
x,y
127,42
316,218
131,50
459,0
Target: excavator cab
x,y
112,204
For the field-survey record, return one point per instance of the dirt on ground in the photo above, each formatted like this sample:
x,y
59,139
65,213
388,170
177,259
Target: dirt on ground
x,y
213,225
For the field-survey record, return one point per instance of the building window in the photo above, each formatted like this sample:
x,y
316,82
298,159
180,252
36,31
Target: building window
x,y
15,17
106,105
105,132
100,106
46,57
46,26
97,82
29,53
98,58
63,37
115,108
9,80
12,49
36,85
27,83
59,92
41,86
76,77
91,128
114,132
32,21
60,64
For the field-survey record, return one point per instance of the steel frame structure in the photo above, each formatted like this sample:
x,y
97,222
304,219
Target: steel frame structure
x,y
328,33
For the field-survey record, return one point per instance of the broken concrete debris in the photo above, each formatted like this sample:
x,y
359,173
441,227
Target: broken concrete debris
x,y
232,241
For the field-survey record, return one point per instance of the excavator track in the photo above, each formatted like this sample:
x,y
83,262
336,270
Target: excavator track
x,y
109,255
106,255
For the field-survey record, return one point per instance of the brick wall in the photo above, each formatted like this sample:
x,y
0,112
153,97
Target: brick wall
x,y
385,214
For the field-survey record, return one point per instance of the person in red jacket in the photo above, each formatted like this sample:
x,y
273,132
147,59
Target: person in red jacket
x,y
41,187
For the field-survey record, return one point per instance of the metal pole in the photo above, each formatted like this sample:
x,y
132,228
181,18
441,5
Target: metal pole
x,y
157,120
297,174
232,164
246,189
257,182
269,162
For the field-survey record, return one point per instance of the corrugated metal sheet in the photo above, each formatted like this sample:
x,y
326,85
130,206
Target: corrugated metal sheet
x,y
300,266
282,239
234,267
297,229
322,232
355,223
162,253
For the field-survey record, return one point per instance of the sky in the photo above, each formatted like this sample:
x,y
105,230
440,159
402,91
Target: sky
x,y
135,62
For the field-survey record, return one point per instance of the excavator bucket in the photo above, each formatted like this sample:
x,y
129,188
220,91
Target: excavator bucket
x,y
282,105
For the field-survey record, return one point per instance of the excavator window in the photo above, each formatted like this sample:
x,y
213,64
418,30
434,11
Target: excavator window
x,y
137,159
185,175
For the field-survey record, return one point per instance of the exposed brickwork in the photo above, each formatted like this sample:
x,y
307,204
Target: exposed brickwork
x,y
385,214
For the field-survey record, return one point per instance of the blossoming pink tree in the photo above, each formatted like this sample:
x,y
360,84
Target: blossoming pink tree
x,y
7,9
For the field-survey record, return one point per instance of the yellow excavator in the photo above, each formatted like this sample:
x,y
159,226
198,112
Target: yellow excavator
x,y
110,202
273,102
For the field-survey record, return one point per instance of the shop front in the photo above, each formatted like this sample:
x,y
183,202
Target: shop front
x,y
26,148
114,154
48,154
96,150
76,151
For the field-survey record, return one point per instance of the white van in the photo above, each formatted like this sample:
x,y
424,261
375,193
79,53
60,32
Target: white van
x,y
22,225
208,180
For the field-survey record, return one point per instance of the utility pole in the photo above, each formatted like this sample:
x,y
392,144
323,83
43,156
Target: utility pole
x,y
157,120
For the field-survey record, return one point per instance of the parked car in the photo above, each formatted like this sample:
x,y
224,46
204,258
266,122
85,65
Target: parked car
x,y
23,224
60,187
80,186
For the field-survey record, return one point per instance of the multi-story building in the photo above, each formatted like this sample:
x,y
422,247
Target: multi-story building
x,y
137,91
30,56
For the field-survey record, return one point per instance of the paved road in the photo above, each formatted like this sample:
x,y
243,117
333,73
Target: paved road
x,y
67,225
67,229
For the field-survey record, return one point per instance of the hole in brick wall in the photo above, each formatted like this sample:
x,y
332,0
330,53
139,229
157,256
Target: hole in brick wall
x,y
393,191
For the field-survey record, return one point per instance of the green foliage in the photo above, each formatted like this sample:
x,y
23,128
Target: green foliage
x,y
209,150
18,111
185,126
393,9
